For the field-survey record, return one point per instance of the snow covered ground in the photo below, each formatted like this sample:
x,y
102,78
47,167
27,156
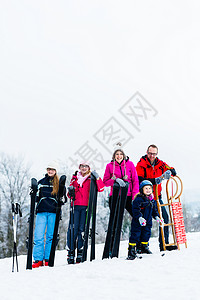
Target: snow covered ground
x,y
176,275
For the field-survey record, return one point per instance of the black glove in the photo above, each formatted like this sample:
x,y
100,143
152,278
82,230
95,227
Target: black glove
x,y
173,171
71,191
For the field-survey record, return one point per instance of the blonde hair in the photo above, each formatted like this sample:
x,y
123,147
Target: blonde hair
x,y
88,172
55,182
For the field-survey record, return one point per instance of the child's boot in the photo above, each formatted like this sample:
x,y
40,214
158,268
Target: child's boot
x,y
145,248
132,252
138,247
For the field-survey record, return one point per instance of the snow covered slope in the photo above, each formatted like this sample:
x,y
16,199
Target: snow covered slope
x,y
172,276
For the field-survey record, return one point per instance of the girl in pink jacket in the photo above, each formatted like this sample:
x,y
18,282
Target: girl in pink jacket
x,y
119,170
80,185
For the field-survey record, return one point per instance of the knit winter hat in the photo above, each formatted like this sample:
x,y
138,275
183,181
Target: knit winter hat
x,y
53,165
118,147
84,163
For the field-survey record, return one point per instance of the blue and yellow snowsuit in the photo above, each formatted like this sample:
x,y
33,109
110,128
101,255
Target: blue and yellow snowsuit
x,y
142,207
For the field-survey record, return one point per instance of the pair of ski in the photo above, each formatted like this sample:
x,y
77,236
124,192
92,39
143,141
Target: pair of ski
x,y
90,225
119,195
33,192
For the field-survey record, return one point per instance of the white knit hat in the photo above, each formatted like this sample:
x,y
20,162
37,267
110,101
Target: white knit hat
x,y
118,147
53,165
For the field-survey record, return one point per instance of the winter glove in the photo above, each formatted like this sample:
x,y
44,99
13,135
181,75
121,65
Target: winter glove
x,y
167,174
160,221
121,182
142,221
158,180
173,171
71,191
95,174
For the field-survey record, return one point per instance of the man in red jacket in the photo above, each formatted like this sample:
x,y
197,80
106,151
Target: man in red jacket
x,y
151,168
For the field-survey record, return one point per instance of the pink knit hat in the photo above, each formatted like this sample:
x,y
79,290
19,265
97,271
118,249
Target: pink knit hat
x,y
84,163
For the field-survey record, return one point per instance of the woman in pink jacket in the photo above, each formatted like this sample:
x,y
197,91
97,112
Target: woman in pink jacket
x,y
119,170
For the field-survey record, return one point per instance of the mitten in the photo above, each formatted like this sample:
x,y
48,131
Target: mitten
x,y
142,221
158,180
160,221
167,174
121,182
95,174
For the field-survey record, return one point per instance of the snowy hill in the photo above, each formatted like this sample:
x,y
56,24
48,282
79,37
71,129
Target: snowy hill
x,y
172,276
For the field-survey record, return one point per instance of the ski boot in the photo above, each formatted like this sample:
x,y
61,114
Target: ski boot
x,y
145,248
169,248
79,255
172,247
46,262
70,257
37,264
132,252
138,248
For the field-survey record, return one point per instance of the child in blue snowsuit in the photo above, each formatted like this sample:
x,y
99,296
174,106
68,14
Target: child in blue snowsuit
x,y
144,208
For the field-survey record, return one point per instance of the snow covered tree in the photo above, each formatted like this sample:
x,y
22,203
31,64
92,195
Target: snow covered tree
x,y
14,188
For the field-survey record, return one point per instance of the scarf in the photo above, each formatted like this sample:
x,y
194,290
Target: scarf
x,y
81,178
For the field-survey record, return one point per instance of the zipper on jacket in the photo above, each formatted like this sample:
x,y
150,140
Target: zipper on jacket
x,y
121,171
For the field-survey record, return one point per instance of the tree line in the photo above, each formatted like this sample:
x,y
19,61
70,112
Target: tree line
x,y
15,177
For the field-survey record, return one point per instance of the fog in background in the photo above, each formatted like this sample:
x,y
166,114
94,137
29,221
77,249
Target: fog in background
x,y
69,67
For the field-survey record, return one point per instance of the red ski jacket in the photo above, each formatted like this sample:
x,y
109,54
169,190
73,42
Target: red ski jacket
x,y
146,171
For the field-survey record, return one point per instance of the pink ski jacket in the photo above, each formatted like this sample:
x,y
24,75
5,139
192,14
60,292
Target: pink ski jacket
x,y
125,169
81,192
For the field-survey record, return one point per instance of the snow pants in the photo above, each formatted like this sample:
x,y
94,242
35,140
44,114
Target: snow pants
x,y
79,227
139,233
44,221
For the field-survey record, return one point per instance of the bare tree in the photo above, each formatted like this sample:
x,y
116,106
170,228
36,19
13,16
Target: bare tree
x,y
14,188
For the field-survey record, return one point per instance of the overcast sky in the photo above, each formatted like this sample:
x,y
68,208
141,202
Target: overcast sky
x,y
73,70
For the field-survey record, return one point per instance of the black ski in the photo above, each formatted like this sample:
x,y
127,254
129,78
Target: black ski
x,y
112,221
61,194
122,203
90,211
71,251
33,192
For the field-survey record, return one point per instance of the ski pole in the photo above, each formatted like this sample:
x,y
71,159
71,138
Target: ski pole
x,y
15,211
